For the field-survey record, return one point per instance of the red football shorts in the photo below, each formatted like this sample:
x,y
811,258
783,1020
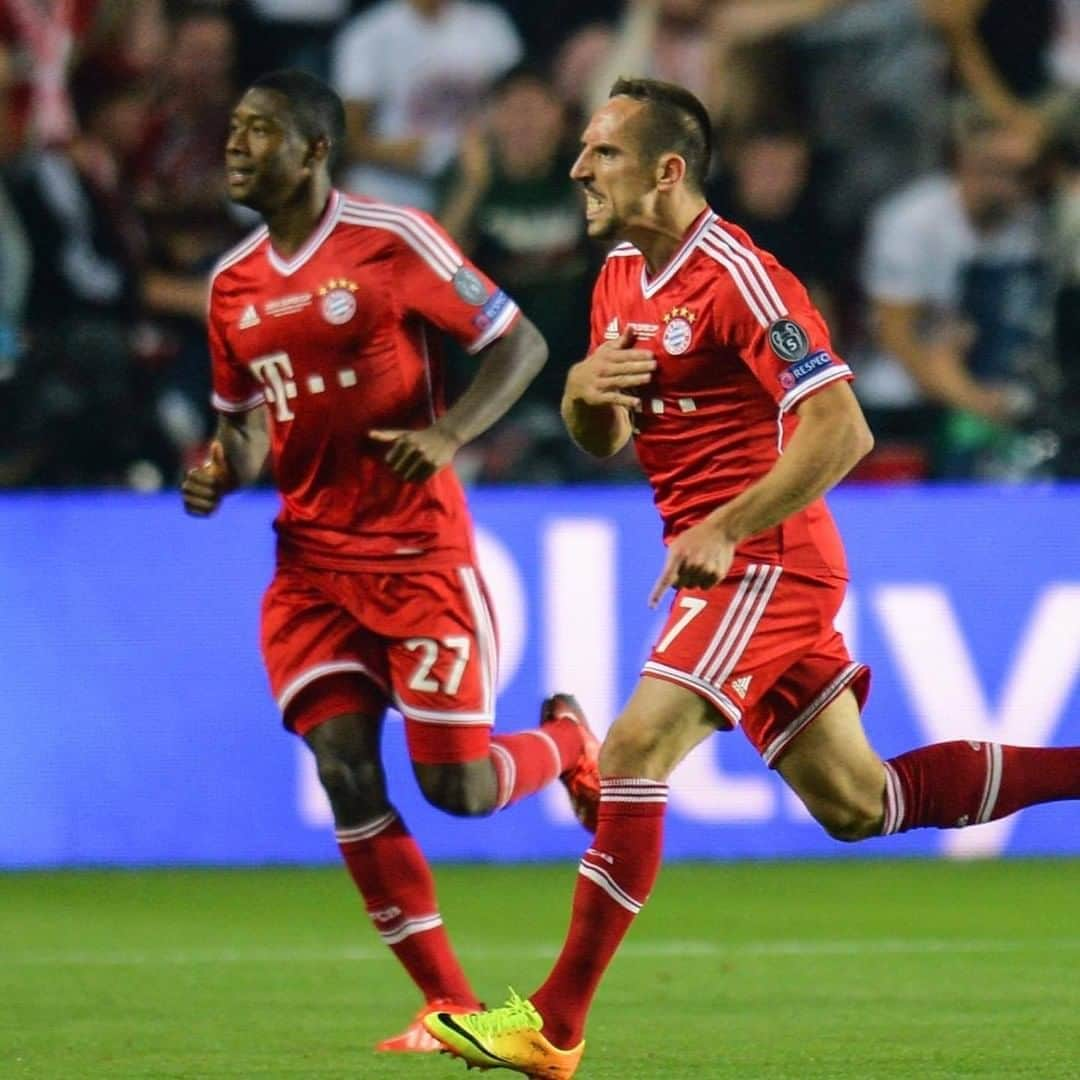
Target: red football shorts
x,y
337,643
762,649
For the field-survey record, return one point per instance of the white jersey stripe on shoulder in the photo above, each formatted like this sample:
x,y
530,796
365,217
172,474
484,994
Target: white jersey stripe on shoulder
x,y
715,244
623,253
725,260
424,233
403,228
432,235
437,265
753,260
240,251
374,213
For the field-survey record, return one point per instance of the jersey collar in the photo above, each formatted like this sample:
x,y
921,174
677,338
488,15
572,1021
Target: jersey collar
x,y
287,267
701,223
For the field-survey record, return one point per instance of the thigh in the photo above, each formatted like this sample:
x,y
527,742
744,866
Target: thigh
x,y
442,654
661,723
831,761
308,637
800,694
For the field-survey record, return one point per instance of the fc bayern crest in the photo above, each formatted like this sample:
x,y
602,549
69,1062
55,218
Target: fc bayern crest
x,y
337,302
678,330
677,336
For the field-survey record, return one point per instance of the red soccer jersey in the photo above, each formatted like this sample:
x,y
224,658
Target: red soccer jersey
x,y
340,339
738,345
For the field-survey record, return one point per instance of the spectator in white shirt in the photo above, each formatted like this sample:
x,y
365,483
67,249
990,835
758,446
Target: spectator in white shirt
x,y
412,73
956,276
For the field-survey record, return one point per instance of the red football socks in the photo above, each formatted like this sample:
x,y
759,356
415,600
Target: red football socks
x,y
953,784
395,881
615,878
527,761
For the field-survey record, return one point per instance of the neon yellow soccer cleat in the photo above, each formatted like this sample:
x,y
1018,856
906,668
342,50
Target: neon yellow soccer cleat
x,y
505,1038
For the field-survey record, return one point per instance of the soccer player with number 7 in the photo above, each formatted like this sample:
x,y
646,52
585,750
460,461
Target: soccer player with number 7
x,y
325,329
710,355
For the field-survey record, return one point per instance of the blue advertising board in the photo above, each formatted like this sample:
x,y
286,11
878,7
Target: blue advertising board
x,y
138,728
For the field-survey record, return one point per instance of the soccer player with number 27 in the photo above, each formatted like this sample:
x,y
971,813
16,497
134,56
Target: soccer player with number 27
x,y
325,329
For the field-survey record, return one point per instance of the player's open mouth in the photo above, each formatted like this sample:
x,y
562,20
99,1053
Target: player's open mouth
x,y
593,202
238,176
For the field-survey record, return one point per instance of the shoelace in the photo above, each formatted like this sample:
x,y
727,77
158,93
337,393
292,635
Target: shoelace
x,y
517,1014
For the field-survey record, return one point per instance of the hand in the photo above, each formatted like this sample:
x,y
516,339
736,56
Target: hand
x,y
696,559
205,485
417,455
608,376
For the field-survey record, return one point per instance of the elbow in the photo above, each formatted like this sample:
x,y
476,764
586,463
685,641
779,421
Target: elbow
x,y
862,441
535,347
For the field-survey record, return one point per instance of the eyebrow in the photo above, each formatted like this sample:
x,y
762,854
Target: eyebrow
x,y
251,114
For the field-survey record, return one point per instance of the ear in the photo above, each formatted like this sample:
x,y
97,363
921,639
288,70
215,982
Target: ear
x,y
318,152
670,171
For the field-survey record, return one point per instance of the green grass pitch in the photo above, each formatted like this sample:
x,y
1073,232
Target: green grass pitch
x,y
848,969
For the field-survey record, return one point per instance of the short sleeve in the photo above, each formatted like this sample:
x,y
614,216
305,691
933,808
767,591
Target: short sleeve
x,y
893,266
356,62
762,310
435,281
502,39
235,389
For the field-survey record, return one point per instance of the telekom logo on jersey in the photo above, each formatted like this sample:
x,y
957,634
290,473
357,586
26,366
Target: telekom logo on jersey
x,y
275,372
578,598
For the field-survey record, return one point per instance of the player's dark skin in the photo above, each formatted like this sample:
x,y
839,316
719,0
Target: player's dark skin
x,y
273,168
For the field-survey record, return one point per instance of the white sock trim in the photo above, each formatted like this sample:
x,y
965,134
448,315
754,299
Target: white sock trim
x,y
993,783
606,882
410,927
894,803
366,830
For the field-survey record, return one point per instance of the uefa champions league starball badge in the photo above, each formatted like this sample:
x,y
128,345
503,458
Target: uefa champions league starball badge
x,y
337,303
678,330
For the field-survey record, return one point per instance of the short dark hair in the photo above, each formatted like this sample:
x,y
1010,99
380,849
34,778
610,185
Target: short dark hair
x,y
675,121
316,109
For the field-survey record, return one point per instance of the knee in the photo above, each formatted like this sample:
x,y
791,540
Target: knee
x,y
628,753
451,789
850,820
354,786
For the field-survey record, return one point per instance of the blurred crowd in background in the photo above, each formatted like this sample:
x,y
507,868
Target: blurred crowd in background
x,y
915,162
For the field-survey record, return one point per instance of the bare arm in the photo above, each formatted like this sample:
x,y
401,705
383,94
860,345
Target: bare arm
x,y
245,439
470,186
957,20
237,456
938,368
507,366
600,396
830,439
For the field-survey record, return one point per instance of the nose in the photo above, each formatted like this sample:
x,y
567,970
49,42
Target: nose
x,y
579,170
